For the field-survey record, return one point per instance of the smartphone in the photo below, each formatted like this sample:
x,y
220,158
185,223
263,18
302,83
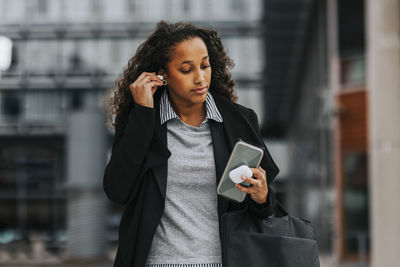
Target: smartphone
x,y
242,154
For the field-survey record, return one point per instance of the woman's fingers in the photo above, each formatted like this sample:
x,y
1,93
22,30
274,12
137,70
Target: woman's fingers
x,y
144,78
252,189
145,75
251,180
151,77
144,87
141,77
151,81
259,174
248,190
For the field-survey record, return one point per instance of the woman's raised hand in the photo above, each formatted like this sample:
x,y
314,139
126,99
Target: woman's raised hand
x,y
144,87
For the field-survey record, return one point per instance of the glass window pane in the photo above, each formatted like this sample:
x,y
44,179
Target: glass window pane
x,y
356,202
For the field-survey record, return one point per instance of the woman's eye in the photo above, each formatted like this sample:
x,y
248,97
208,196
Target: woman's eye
x,y
189,70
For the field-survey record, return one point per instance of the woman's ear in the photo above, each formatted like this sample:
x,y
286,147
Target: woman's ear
x,y
162,72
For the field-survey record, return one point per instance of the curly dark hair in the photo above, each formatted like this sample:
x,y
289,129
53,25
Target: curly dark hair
x,y
154,54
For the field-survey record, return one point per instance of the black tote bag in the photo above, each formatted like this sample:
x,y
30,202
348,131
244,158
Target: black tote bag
x,y
280,241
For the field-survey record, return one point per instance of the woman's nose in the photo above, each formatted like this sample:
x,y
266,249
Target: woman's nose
x,y
199,77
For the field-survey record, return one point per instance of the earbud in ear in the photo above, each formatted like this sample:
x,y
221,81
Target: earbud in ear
x,y
162,78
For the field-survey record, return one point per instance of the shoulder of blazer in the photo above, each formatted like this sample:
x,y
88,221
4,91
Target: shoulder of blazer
x,y
222,98
246,112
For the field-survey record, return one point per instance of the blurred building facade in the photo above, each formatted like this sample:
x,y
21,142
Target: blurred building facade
x,y
66,55
331,111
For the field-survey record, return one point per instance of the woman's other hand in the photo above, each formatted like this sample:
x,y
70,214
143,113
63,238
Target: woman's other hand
x,y
259,188
144,87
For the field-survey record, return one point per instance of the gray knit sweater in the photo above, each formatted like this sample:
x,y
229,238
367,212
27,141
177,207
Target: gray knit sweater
x,y
188,232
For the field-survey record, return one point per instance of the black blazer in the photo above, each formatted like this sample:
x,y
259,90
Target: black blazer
x,y
136,174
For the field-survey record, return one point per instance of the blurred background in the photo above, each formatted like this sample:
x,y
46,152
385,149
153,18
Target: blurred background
x,y
322,75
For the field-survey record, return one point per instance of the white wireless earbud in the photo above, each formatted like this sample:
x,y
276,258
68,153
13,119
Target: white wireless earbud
x,y
238,172
162,78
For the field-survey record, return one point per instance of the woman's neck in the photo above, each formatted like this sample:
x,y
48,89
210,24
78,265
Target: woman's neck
x,y
190,114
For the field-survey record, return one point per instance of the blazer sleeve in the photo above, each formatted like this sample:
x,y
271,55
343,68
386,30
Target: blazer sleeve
x,y
133,135
268,208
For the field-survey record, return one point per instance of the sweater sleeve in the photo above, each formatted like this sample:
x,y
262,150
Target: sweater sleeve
x,y
263,210
133,134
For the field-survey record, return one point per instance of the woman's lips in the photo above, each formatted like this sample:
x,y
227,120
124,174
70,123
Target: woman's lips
x,y
200,91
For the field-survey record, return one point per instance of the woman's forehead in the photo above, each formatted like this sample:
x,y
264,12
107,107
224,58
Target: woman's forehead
x,y
193,50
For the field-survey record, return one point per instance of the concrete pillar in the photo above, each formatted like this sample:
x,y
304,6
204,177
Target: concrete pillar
x,y
334,85
383,72
86,212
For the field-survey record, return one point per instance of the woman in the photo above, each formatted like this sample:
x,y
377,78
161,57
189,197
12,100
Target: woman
x,y
183,133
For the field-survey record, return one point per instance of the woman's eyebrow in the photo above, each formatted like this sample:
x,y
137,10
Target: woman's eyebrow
x,y
190,61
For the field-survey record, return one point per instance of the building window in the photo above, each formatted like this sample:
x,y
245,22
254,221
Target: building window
x,y
353,70
237,5
10,104
356,203
97,7
42,6
186,6
131,6
32,194
77,100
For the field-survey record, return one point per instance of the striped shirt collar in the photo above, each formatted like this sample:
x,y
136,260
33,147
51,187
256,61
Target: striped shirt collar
x,y
167,112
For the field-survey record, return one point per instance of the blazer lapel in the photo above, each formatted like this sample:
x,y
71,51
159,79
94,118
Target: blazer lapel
x,y
221,156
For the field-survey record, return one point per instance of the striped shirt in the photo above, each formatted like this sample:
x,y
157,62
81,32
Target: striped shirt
x,y
186,265
167,112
